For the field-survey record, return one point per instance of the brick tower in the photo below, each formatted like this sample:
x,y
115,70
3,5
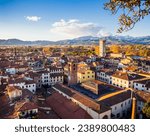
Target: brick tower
x,y
72,73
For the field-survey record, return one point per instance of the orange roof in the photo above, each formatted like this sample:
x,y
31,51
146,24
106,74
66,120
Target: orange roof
x,y
65,108
28,106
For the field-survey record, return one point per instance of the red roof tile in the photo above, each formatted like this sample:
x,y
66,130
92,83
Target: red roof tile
x,y
28,106
65,108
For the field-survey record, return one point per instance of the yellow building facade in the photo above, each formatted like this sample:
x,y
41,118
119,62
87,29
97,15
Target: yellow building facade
x,y
86,75
97,50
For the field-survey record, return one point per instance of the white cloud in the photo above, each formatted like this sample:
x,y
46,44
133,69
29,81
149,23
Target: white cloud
x,y
33,18
74,28
103,33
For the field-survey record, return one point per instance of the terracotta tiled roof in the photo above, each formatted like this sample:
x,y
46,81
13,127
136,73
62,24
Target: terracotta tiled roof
x,y
21,80
107,71
81,98
28,106
145,81
127,76
13,88
142,96
65,108
116,98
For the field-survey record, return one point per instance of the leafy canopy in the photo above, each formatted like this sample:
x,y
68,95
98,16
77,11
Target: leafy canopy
x,y
146,109
132,11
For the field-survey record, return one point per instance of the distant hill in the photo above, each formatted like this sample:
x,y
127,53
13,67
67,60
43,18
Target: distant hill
x,y
86,40
21,42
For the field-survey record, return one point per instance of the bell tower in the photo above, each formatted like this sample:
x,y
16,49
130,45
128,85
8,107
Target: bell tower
x,y
72,73
102,45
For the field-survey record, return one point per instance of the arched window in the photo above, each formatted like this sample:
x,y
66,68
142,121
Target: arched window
x,y
105,117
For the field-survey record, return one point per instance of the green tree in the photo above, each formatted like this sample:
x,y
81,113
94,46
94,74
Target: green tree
x,y
146,109
132,11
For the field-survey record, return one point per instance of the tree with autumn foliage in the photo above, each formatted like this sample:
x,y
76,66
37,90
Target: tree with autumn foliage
x,y
146,109
132,11
115,49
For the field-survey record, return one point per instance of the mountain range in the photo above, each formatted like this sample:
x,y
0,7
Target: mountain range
x,y
86,40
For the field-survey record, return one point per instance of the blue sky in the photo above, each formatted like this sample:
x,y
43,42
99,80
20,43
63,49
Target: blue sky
x,y
60,19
